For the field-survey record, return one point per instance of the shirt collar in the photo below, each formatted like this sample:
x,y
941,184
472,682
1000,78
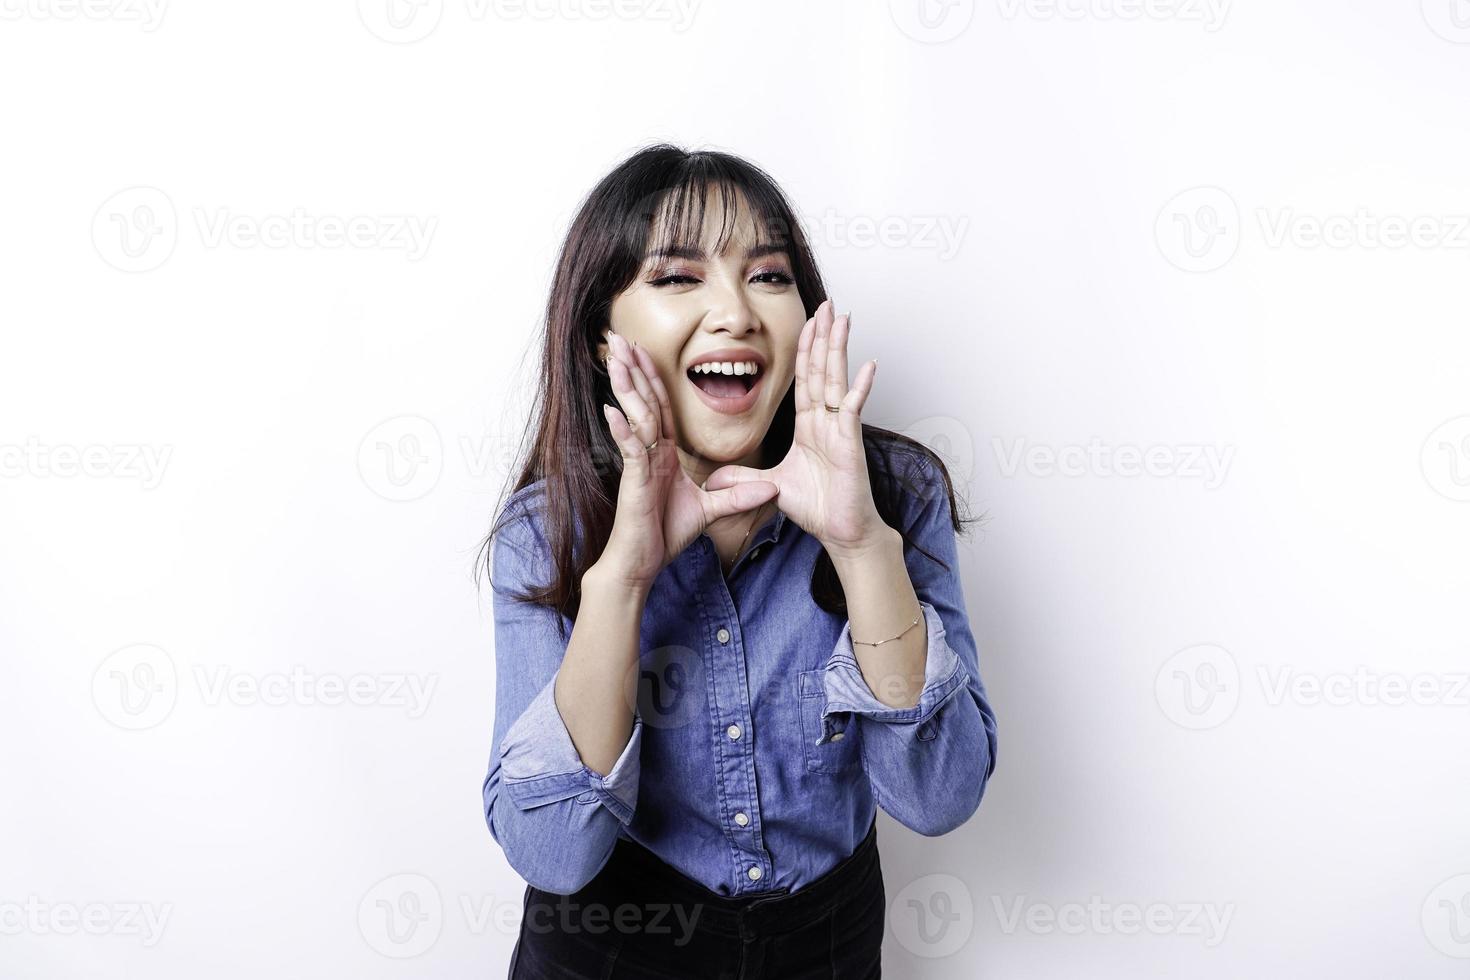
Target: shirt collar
x,y
775,529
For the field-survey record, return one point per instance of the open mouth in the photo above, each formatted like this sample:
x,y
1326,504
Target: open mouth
x,y
729,394
722,385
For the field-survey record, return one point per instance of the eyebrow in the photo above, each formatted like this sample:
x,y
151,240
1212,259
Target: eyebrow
x,y
697,254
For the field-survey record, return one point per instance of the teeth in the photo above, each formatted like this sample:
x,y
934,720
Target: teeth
x,y
727,367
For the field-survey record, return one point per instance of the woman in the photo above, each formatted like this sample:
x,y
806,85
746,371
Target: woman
x,y
728,621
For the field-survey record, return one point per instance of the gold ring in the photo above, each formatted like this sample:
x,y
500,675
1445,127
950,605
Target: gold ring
x,y
830,408
649,448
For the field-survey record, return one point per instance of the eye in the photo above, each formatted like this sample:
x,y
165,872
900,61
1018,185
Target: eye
x,y
672,277
774,278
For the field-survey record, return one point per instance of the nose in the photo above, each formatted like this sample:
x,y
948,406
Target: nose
x,y
730,312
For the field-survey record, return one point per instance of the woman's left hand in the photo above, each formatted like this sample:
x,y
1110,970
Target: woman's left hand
x,y
823,481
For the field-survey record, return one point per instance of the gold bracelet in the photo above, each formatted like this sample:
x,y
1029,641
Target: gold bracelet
x,y
891,638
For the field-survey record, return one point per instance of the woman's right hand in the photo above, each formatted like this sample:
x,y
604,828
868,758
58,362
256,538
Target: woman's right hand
x,y
660,511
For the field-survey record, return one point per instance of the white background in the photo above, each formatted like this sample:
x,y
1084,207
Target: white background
x,y
235,448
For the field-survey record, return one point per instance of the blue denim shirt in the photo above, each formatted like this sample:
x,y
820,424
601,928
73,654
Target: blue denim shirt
x,y
758,753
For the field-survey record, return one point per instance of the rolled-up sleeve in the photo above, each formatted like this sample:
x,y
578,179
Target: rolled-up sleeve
x,y
928,764
556,819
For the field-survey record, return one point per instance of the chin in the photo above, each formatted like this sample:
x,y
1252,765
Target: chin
x,y
721,450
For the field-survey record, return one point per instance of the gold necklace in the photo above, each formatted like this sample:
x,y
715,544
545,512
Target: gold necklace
x,y
753,521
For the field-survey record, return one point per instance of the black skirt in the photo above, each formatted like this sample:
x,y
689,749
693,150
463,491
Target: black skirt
x,y
641,918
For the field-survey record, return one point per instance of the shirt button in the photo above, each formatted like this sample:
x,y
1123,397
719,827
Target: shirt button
x,y
742,819
733,731
836,736
754,873
754,553
723,635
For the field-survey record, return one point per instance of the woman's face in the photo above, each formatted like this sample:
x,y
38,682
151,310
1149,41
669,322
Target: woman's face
x,y
741,305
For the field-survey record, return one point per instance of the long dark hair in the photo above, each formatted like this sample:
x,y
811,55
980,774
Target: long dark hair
x,y
603,252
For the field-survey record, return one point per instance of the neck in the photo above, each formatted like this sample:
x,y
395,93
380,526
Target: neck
x,y
700,467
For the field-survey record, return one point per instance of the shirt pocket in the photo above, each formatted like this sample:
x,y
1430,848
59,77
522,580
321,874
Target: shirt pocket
x,y
840,754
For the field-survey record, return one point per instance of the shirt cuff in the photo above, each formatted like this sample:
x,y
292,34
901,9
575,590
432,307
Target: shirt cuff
x,y
539,763
848,690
